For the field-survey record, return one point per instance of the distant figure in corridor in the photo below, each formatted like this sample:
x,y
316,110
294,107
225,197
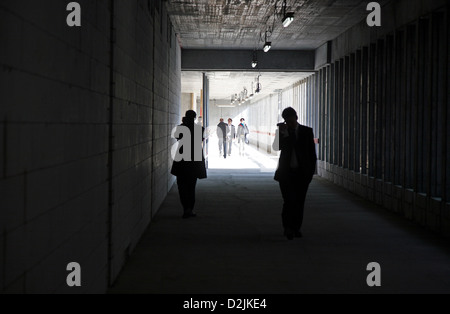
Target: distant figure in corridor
x,y
242,136
222,135
231,135
188,171
296,169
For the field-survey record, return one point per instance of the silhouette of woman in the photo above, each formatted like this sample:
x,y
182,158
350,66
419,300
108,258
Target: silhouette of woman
x,y
190,170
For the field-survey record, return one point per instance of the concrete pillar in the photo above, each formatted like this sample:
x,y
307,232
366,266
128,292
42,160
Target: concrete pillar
x,y
193,102
399,55
352,115
379,107
339,111
446,118
329,132
371,110
346,113
364,107
388,109
205,106
333,115
410,77
357,105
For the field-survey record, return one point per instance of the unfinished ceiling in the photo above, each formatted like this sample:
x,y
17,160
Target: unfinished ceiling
x,y
237,24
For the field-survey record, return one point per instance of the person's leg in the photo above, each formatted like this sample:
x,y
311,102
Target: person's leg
x,y
230,144
186,187
183,190
289,209
224,148
241,146
301,191
192,186
220,145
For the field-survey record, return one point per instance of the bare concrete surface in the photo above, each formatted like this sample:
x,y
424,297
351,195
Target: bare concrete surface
x,y
236,244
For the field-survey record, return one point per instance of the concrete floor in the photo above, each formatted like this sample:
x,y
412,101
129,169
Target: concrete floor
x,y
236,244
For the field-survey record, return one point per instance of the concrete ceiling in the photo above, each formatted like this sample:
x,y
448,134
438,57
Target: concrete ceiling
x,y
237,24
225,84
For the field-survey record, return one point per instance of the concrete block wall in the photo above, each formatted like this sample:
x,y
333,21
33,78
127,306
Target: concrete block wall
x,y
58,138
384,117
380,110
54,84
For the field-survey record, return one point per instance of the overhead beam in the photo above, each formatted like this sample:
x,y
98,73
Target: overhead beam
x,y
240,60
323,56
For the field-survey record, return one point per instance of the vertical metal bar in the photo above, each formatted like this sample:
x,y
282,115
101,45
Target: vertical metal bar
x,y
325,135
346,113
352,116
429,109
358,86
371,110
330,147
416,102
410,99
398,130
379,105
403,106
364,106
331,119
445,111
323,114
422,38
206,113
437,128
111,142
389,74
340,113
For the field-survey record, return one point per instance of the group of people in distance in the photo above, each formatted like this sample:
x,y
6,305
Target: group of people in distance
x,y
227,134
295,170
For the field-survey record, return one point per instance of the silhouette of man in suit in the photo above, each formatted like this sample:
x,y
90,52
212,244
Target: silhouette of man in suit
x,y
222,135
296,169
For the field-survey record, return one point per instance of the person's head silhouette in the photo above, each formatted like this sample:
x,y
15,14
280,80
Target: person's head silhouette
x,y
189,117
291,117
190,114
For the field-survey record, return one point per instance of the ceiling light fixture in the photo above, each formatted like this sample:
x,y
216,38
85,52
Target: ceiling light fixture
x,y
288,17
255,59
268,44
251,95
258,86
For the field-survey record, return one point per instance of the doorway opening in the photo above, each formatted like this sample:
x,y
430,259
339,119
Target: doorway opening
x,y
257,97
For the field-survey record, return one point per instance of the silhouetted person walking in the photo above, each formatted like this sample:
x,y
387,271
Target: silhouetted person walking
x,y
189,162
242,133
222,135
231,135
296,169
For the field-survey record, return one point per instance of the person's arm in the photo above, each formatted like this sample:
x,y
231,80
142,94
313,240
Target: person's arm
x,y
281,138
313,156
218,132
276,142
